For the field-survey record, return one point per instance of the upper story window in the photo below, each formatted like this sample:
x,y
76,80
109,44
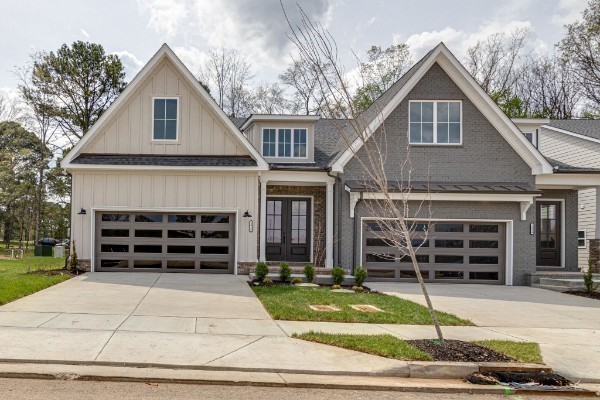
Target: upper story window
x,y
165,112
435,122
284,142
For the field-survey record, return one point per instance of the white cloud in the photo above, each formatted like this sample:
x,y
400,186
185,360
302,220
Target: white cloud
x,y
131,63
192,57
165,15
568,11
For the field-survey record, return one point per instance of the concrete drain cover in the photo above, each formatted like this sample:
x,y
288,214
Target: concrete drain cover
x,y
366,308
324,308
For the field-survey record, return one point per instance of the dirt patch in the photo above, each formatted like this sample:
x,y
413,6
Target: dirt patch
x,y
594,295
323,308
456,350
53,272
517,378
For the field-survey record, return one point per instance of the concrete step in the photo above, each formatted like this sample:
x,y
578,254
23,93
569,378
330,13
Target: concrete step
x,y
565,282
553,287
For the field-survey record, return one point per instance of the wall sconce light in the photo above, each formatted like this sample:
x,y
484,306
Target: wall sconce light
x,y
251,226
82,211
247,214
532,229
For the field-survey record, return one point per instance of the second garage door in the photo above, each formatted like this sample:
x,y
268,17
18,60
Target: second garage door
x,y
457,252
165,242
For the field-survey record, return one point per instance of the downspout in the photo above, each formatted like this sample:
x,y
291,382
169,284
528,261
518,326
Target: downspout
x,y
355,238
337,228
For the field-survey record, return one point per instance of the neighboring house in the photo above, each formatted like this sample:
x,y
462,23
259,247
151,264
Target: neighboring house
x,y
164,181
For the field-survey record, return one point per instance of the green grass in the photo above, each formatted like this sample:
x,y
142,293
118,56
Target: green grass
x,y
380,345
292,303
16,283
526,352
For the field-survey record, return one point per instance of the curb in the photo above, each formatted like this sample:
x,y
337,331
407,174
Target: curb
x,y
269,379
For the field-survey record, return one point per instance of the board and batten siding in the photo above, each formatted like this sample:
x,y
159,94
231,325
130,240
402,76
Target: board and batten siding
x,y
200,130
158,191
579,153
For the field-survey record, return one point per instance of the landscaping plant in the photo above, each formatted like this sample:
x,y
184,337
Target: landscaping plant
x,y
309,273
74,260
261,271
337,274
588,279
296,281
360,276
285,272
267,281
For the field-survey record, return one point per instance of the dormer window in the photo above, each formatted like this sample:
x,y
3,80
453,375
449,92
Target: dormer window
x,y
284,142
164,113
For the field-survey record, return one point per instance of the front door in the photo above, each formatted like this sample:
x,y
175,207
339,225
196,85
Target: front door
x,y
548,233
288,229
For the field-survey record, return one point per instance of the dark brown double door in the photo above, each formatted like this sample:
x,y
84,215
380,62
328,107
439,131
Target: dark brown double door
x,y
548,221
288,229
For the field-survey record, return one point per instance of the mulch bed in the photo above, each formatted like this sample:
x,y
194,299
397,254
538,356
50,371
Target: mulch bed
x,y
457,350
256,282
594,295
53,272
517,378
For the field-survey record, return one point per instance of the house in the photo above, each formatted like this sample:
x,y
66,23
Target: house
x,y
165,181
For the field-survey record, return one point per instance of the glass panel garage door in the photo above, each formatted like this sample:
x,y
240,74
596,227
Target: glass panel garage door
x,y
165,242
455,252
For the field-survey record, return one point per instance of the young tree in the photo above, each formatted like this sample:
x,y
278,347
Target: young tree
x,y
388,184
582,46
80,82
381,69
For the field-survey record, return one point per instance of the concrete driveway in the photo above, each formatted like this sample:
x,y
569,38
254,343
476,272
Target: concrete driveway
x,y
566,326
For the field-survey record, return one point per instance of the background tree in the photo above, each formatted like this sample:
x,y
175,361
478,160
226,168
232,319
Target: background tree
x,y
10,109
381,69
268,98
581,45
302,80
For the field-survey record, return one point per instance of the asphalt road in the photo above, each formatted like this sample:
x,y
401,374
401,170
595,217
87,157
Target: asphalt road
x,y
26,389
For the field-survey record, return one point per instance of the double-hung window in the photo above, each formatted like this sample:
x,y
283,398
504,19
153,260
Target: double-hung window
x,y
435,122
284,142
165,111
582,239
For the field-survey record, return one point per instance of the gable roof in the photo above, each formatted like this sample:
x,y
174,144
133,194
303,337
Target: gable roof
x,y
374,116
164,52
587,129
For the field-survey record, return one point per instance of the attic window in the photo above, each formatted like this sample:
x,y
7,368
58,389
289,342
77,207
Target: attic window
x,y
435,122
165,112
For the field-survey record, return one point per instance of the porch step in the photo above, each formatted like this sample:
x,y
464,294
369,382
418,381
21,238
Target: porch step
x,y
560,284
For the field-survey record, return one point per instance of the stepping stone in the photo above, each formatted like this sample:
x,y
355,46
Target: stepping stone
x,y
366,308
324,308
342,291
307,285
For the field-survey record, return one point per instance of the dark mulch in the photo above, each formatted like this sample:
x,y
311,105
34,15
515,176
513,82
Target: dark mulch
x,y
53,272
595,295
456,350
509,377
256,282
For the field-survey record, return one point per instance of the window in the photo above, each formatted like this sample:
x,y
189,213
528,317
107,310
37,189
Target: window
x,y
528,136
284,142
582,239
165,119
435,122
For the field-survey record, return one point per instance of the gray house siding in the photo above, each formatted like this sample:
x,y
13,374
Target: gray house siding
x,y
484,156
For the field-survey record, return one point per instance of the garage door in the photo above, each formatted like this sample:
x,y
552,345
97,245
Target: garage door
x,y
457,252
165,242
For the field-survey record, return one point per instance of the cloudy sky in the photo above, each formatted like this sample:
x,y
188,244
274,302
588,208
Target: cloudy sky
x,y
136,29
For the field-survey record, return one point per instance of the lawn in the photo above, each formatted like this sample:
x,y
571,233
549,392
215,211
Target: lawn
x,y
392,347
16,283
292,303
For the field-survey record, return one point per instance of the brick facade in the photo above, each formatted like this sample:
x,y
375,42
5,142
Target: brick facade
x,y
595,255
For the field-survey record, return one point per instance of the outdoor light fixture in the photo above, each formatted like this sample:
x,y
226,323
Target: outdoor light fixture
x,y
82,211
247,214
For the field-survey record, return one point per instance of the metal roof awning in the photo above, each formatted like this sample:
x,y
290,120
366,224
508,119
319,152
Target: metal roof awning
x,y
444,187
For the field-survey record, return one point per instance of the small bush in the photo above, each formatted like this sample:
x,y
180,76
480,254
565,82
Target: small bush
x,y
267,282
358,289
334,287
309,273
261,271
296,281
74,260
360,276
285,272
588,279
337,274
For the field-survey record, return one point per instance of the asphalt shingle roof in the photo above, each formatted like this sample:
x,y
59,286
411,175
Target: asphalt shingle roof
x,y
166,161
560,166
585,127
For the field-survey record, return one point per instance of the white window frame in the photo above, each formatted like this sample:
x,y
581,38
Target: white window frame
x,y
293,138
435,102
584,239
177,121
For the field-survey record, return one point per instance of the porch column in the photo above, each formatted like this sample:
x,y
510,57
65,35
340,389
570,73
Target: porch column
x,y
263,217
329,226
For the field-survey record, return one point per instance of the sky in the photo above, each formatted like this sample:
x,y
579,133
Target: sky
x,y
136,29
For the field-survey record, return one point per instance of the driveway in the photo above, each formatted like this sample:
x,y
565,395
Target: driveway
x,y
566,326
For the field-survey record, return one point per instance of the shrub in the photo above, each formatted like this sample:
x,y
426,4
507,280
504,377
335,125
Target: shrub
x,y
74,260
285,272
337,274
359,289
588,279
334,287
267,281
360,275
296,281
309,273
261,271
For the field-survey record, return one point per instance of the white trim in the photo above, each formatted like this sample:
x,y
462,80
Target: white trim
x,y
577,135
584,239
435,123
92,167
531,121
177,121
329,225
277,157
94,210
164,52
562,232
480,99
270,117
509,261
288,177
567,181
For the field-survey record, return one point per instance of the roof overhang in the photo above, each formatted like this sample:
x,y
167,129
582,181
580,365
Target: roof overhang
x,y
571,180
278,118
